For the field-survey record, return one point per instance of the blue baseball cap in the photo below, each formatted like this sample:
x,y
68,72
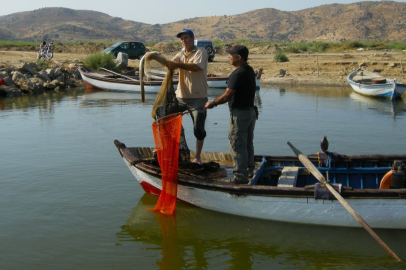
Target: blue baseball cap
x,y
185,31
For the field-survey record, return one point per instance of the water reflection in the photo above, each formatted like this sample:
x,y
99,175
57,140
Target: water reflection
x,y
383,106
201,237
45,101
99,95
312,90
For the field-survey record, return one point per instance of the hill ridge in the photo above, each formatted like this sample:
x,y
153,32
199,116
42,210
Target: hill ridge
x,y
366,21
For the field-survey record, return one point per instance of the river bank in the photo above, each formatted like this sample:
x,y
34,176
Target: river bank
x,y
302,68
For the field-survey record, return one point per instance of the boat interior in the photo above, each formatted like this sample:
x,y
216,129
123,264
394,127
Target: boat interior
x,y
353,172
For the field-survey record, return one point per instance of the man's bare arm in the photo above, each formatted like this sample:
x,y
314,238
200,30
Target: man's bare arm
x,y
185,66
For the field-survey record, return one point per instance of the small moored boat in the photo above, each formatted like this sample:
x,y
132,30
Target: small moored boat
x,y
95,79
282,189
116,82
371,84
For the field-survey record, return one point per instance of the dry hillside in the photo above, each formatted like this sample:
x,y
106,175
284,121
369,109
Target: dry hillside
x,y
370,20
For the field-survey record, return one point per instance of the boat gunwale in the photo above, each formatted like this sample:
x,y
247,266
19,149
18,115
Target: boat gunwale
x,y
86,73
259,190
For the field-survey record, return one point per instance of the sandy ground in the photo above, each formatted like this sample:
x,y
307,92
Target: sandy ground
x,y
323,68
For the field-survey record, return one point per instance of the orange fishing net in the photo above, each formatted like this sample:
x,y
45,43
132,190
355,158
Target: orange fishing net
x,y
167,136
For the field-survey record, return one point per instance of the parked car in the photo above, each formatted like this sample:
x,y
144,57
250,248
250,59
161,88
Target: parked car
x,y
135,50
208,45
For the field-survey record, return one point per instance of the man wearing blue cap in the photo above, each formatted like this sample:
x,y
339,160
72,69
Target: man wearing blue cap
x,y
192,87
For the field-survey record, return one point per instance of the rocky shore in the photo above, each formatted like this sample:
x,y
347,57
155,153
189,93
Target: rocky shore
x,y
22,74
33,78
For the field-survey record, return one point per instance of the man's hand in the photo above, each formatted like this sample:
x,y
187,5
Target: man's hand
x,y
171,65
209,105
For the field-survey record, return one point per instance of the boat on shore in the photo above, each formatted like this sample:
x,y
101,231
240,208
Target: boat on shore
x,y
374,85
95,79
282,189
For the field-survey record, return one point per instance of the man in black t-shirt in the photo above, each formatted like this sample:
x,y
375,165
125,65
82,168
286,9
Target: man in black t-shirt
x,y
240,95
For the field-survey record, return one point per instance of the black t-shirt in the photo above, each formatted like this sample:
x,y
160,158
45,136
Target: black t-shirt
x,y
242,80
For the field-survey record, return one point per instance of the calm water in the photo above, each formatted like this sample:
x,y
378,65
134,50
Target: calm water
x,y
67,200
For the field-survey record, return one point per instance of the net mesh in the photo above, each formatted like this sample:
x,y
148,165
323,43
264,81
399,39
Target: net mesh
x,y
169,136
166,103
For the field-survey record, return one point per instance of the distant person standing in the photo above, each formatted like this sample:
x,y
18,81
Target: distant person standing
x,y
240,95
192,87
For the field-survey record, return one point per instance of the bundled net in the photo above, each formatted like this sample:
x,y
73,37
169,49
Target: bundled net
x,y
170,142
167,104
167,136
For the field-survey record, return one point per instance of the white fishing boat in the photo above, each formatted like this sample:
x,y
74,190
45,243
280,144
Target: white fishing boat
x,y
371,84
117,82
283,189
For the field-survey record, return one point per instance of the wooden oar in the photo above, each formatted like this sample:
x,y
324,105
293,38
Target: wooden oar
x,y
316,173
118,74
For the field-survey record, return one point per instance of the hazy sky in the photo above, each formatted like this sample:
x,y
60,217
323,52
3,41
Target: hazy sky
x,y
166,11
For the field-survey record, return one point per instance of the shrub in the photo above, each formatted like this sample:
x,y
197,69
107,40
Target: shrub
x,y
297,47
352,44
41,65
318,46
280,57
398,46
105,60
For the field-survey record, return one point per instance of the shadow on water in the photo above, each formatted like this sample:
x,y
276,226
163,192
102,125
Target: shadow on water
x,y
43,101
380,105
196,235
98,95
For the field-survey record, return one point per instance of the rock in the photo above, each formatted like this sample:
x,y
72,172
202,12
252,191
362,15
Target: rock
x,y
57,72
50,72
393,65
35,84
28,68
122,59
10,91
3,74
44,75
282,72
9,82
19,79
75,74
60,77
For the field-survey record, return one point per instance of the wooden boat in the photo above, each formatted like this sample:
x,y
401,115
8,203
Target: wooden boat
x,y
371,84
283,189
123,83
116,82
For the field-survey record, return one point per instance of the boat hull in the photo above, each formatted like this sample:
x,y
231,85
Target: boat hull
x,y
279,204
391,89
120,86
99,80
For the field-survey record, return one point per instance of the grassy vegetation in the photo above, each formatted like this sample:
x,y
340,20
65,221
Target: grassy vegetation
x,y
280,57
41,65
294,47
7,44
97,60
